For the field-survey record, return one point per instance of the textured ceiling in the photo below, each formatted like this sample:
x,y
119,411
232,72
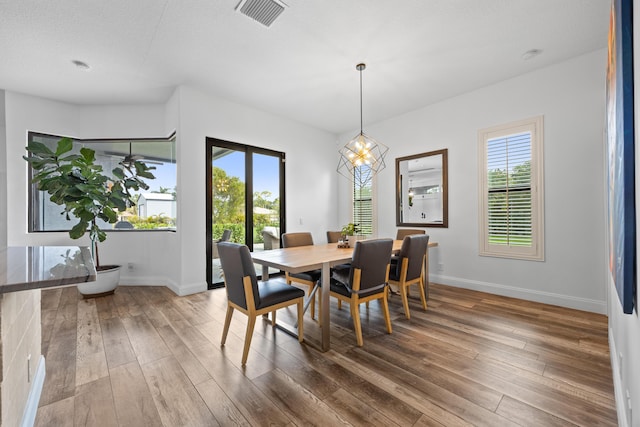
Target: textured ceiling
x,y
302,67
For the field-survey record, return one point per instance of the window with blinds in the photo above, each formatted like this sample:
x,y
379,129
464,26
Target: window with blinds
x,y
511,190
363,199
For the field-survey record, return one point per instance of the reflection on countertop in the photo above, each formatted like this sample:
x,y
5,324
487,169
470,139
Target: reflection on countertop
x,y
34,267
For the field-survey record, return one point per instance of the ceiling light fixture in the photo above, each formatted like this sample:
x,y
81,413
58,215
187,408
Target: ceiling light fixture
x,y
81,65
362,157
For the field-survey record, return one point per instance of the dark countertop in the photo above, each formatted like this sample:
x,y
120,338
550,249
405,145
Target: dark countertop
x,y
34,267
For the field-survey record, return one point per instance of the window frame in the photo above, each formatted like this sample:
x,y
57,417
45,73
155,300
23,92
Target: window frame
x,y
535,252
371,183
33,202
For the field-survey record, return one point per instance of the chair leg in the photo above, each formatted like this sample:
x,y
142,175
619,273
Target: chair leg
x,y
385,308
313,302
227,322
405,301
251,322
339,304
423,296
273,318
301,320
355,313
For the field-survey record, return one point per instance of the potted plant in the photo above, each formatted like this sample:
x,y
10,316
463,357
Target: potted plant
x,y
350,233
76,182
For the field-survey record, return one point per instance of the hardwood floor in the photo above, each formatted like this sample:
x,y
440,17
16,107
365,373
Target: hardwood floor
x,y
145,357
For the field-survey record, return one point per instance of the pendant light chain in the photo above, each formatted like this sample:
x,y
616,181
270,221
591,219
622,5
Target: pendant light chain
x,y
361,67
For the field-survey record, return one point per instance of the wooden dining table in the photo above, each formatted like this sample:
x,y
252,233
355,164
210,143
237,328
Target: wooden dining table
x,y
323,256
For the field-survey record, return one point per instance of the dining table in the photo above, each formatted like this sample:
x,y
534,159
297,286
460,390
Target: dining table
x,y
322,256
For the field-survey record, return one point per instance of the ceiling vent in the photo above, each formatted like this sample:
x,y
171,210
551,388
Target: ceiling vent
x,y
263,11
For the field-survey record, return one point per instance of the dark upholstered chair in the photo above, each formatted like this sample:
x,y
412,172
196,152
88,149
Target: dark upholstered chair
x,y
409,270
365,280
246,294
308,278
333,236
271,238
402,232
226,236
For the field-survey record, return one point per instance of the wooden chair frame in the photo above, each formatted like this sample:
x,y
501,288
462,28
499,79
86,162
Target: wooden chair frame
x,y
355,300
253,314
290,279
403,285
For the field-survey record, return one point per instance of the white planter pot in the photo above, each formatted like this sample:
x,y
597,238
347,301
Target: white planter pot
x,y
353,239
106,282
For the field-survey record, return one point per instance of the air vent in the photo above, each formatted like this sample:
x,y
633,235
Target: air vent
x,y
263,11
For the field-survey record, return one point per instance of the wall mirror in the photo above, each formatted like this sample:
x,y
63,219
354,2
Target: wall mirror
x,y
422,190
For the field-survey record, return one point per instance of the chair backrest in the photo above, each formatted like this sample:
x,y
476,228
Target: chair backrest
x,y
333,236
413,247
372,257
236,263
290,240
226,235
403,232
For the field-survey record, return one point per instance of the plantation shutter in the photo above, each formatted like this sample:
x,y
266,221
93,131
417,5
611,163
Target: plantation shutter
x,y
363,200
509,207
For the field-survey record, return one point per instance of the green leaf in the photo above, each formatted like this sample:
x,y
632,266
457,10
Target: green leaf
x,y
70,158
78,230
118,173
39,148
88,154
64,146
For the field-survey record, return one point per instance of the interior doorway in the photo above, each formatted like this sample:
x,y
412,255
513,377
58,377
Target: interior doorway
x,y
245,198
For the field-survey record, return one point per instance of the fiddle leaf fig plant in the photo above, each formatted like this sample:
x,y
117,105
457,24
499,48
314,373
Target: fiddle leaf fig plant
x,y
78,183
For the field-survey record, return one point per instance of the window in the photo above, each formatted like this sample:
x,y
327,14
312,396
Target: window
x,y
156,207
511,190
363,199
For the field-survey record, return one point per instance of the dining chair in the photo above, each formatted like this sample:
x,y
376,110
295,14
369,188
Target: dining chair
x,y
226,236
402,232
333,236
308,278
409,270
366,280
252,297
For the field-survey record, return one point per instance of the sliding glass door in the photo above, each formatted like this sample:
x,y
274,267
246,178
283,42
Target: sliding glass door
x,y
245,199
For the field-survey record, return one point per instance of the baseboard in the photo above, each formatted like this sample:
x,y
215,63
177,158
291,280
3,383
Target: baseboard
x,y
577,303
182,290
31,408
617,382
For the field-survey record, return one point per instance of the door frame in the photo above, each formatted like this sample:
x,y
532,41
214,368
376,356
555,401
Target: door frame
x,y
249,150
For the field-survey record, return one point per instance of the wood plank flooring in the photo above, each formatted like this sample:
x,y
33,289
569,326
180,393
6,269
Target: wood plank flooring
x,y
146,357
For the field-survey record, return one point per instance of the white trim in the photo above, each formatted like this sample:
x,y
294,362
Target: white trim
x,y
534,126
577,303
180,290
31,408
617,382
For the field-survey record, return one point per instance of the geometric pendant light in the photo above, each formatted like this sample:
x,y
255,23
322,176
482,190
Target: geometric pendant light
x,y
362,150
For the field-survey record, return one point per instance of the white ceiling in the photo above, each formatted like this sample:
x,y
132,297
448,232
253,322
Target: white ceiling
x,y
302,67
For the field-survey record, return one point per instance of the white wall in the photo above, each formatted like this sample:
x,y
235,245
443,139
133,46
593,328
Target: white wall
x,y
3,174
570,96
310,177
174,259
624,329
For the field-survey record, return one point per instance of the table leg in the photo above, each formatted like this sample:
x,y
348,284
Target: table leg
x,y
265,272
324,294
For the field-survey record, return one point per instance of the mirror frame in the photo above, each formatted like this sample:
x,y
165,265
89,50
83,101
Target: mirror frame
x,y
445,190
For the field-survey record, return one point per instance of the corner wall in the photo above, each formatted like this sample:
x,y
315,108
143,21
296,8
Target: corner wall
x,y
570,96
174,259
